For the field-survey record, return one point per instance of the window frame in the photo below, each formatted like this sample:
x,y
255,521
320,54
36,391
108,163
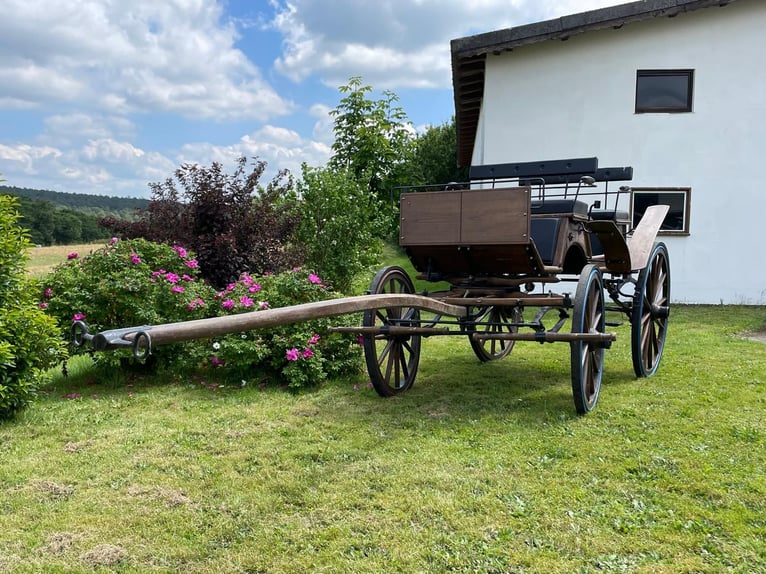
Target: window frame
x,y
687,108
687,195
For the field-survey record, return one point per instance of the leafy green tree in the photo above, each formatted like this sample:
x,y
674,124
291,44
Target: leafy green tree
x,y
434,160
374,140
67,227
341,225
28,339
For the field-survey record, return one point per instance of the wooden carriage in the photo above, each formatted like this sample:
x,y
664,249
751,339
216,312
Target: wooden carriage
x,y
502,242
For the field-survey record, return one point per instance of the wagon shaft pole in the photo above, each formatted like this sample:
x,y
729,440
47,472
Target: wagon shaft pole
x,y
145,336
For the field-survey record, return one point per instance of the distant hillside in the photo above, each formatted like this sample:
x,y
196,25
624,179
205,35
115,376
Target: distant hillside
x,y
56,218
98,205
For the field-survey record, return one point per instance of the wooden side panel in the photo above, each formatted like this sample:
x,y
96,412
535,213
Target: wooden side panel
x,y
431,218
495,217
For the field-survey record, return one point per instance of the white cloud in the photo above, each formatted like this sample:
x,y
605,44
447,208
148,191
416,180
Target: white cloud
x,y
142,56
395,43
26,156
280,148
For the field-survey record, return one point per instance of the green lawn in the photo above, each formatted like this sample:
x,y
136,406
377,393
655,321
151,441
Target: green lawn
x,y
479,468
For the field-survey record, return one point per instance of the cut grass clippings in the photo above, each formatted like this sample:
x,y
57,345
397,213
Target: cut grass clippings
x,y
479,468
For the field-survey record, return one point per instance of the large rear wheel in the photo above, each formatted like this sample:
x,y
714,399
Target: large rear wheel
x,y
651,309
588,356
392,359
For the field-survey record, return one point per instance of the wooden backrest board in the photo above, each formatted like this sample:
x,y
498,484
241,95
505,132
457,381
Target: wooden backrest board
x,y
466,217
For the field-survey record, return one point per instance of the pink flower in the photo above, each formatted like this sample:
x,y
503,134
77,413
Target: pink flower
x,y
172,277
48,293
135,259
307,353
180,250
314,279
231,286
314,339
194,303
177,289
263,304
72,255
78,317
192,263
246,280
43,305
228,304
113,240
360,340
254,288
186,277
217,362
292,354
245,301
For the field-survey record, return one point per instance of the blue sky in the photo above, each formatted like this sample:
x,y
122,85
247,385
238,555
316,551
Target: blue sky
x,y
104,97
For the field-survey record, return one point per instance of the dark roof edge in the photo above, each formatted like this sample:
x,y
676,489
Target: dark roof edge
x,y
566,26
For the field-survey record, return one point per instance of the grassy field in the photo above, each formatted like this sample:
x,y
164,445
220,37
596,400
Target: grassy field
x,y
479,468
43,259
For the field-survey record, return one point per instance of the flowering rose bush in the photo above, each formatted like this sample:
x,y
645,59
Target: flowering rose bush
x,y
136,282
126,284
299,354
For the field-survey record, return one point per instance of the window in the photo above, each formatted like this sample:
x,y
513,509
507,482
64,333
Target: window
x,y
678,198
664,91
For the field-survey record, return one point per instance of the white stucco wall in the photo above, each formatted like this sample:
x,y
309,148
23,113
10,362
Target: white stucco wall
x,y
577,98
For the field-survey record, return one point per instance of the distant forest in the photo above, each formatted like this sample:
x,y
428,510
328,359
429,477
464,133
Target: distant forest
x,y
57,218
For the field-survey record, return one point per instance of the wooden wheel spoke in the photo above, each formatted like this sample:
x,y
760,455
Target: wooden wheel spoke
x,y
385,352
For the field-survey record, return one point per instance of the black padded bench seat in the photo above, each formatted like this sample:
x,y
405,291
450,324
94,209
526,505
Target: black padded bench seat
x,y
560,206
609,215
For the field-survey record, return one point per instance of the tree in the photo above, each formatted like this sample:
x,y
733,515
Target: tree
x,y
373,138
435,158
340,227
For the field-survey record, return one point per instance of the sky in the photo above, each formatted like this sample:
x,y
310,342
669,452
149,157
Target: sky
x,y
106,96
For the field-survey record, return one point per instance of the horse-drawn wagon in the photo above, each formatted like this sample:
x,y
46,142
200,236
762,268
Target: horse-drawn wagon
x,y
507,243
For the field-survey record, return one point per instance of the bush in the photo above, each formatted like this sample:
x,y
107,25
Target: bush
x,y
137,282
229,220
125,284
340,226
28,339
298,355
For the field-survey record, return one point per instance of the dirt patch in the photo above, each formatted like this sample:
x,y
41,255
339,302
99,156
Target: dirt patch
x,y
59,542
104,555
169,496
759,335
76,446
54,489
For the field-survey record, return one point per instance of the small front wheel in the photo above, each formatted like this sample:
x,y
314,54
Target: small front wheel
x,y
392,358
588,356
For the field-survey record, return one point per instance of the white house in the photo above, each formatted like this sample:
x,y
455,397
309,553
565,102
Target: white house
x,y
674,88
